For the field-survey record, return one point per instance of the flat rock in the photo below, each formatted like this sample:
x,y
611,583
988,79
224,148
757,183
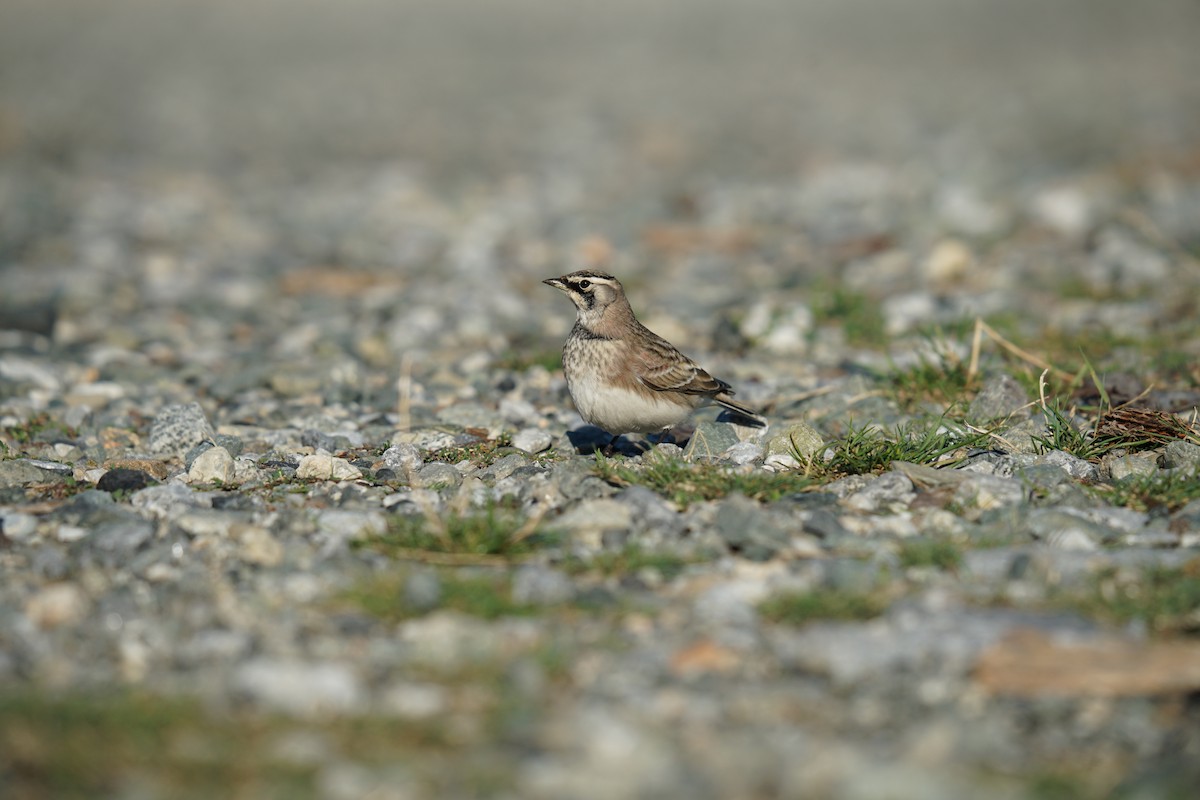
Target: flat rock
x,y
326,467
214,465
1032,663
532,440
709,441
23,472
1000,397
178,428
301,688
798,439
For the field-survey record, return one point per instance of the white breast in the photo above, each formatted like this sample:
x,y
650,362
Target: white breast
x,y
619,410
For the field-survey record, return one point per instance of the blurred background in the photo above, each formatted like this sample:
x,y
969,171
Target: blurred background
x,y
379,152
326,223
475,91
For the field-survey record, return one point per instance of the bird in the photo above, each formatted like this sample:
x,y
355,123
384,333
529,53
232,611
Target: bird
x,y
623,377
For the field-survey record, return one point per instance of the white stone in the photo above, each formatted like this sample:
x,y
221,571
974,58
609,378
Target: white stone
x,y
415,700
596,515
71,533
214,465
299,687
257,545
352,524
403,458
18,526
532,440
56,605
326,467
743,453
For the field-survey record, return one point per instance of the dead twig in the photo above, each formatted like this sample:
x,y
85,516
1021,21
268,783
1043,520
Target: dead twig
x,y
982,328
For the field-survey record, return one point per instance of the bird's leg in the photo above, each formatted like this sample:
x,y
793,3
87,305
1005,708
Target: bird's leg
x,y
611,447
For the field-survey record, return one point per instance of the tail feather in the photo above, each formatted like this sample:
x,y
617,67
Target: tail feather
x,y
755,419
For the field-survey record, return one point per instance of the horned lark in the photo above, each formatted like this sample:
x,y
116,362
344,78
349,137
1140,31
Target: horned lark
x,y
623,377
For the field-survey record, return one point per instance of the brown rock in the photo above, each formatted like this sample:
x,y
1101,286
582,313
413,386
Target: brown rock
x,y
152,467
704,656
1030,663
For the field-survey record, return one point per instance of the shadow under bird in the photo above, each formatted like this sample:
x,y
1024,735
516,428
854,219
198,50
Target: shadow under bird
x,y
622,376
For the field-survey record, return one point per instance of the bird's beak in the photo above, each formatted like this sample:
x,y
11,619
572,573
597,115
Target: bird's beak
x,y
557,283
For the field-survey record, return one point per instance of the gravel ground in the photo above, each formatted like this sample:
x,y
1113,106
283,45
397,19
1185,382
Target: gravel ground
x,y
294,502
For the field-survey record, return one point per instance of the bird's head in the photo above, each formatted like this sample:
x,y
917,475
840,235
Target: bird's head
x,y
592,292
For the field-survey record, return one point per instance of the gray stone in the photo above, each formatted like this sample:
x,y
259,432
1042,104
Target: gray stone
x,y
54,467
214,465
1023,437
233,444
439,475
906,641
329,442
404,458
1181,455
532,440
750,530
709,441
1061,529
588,521
1073,466
856,575
576,481
503,467
423,590
17,526
1187,518
1122,467
347,525
168,501
534,584
1000,397
890,492
650,514
23,472
989,492
429,440
1123,263
1043,477
796,443
121,538
178,428
307,689
743,453
448,640
823,524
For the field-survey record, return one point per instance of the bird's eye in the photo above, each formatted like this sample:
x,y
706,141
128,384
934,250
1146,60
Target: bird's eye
x,y
585,284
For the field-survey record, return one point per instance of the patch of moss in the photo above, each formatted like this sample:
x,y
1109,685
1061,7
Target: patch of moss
x,y
1166,599
685,483
485,596
798,608
482,453
930,553
1156,492
629,561
100,744
491,531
